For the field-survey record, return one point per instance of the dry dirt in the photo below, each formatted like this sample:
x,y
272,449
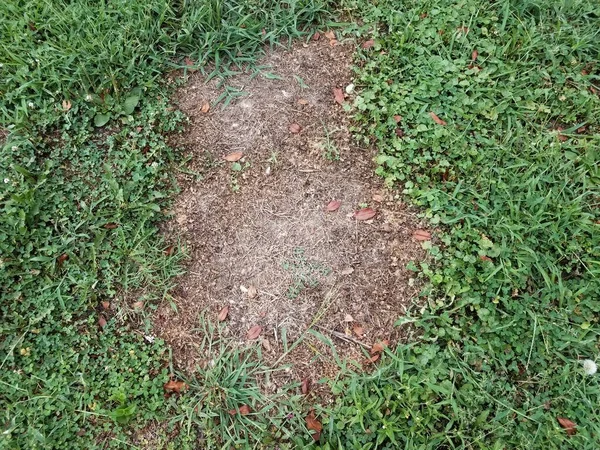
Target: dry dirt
x,y
261,241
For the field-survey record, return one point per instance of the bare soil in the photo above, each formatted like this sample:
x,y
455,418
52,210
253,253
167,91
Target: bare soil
x,y
260,238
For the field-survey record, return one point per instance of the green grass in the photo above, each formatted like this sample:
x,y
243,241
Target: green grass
x,y
86,175
511,186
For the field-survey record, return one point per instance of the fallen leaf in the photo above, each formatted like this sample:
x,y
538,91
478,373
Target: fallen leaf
x,y
330,35
358,330
316,36
305,385
244,410
333,205
169,250
569,426
188,61
348,318
474,55
313,424
254,332
400,132
102,321
485,258
303,101
422,235
398,118
347,271
295,128
223,314
379,346
111,226
378,198
138,305
174,387
105,305
266,344
205,107
252,291
233,157
365,214
423,15
368,44
339,95
436,119
62,258
66,104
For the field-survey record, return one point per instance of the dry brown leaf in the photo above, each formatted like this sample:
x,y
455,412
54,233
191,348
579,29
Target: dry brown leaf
x,y
333,42
62,258
330,34
569,426
358,330
111,226
302,101
368,44
174,387
233,157
66,104
266,344
339,95
254,332
205,107
372,359
398,118
223,314
105,305
316,36
305,387
102,321
365,214
379,346
295,128
474,55
138,305
169,250
348,318
188,61
436,119
422,235
333,205
252,291
244,410
313,424
378,198
485,258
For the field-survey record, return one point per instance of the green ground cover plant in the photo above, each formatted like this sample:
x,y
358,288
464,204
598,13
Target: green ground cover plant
x,y
86,174
486,116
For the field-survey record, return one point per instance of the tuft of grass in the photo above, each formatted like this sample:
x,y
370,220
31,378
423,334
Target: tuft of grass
x,y
510,186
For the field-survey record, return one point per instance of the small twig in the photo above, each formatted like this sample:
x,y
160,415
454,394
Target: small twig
x,y
344,337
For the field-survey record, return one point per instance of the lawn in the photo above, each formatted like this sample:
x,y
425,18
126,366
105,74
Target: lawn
x,y
485,117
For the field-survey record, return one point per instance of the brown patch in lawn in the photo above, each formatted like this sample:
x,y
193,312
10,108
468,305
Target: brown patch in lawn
x,y
261,239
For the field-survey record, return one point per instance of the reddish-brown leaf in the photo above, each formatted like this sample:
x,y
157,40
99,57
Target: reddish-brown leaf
x,y
305,385
485,258
188,61
102,321
316,36
569,426
368,44
330,35
378,198
174,387
205,107
474,55
138,305
379,346
295,128
105,305
62,258
233,157
244,410
398,118
365,214
436,119
339,95
333,205
313,424
358,330
111,226
223,314
254,332
423,15
422,235
169,250
372,359
400,132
